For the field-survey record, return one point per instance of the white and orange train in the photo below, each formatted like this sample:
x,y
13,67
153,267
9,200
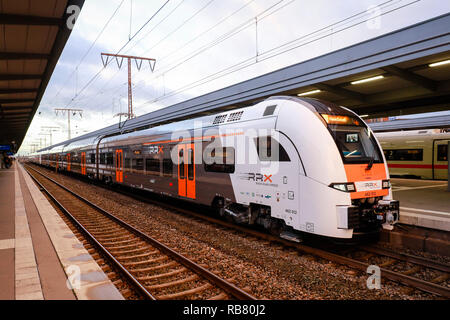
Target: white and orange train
x,y
294,165
416,154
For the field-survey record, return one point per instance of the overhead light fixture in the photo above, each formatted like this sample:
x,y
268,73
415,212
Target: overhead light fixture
x,y
367,79
309,92
440,63
364,116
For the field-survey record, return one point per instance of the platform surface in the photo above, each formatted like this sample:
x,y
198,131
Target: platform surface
x,y
40,257
424,203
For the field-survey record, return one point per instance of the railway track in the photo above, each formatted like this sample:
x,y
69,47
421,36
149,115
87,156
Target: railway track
x,y
154,270
412,271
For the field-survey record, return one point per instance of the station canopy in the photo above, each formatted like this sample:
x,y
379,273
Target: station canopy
x,y
32,37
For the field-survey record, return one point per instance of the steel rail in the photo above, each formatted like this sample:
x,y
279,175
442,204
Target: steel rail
x,y
388,274
424,262
91,238
221,283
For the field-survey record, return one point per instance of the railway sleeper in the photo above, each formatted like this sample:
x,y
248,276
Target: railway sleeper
x,y
163,275
155,268
110,232
441,278
387,263
220,296
172,283
113,247
99,230
113,236
140,263
137,256
125,235
185,293
123,252
412,270
112,242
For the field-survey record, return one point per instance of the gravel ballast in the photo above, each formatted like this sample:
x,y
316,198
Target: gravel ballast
x,y
265,270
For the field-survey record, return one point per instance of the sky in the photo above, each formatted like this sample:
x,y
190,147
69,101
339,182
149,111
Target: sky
x,y
199,46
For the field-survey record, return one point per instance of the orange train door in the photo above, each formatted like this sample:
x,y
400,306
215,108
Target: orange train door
x,y
68,162
83,163
186,170
119,165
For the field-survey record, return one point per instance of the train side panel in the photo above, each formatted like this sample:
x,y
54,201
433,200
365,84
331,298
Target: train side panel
x,y
419,154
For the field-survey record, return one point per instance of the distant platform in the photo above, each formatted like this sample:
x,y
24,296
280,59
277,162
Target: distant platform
x,y
424,203
38,251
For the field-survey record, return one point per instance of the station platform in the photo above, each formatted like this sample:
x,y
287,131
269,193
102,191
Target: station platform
x,y
423,203
40,257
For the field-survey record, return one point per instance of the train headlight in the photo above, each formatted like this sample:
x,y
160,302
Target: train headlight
x,y
386,184
344,187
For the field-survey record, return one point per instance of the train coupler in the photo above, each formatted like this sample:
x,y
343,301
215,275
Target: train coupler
x,y
389,212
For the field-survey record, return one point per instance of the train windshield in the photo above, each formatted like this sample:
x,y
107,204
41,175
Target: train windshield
x,y
356,144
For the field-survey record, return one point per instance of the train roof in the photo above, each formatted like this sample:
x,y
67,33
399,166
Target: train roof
x,y
408,135
247,113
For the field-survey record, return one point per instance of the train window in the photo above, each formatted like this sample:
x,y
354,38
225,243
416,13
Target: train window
x,y
269,110
167,167
265,146
403,154
181,166
191,164
109,159
93,158
127,163
102,158
356,144
222,160
138,164
442,152
152,166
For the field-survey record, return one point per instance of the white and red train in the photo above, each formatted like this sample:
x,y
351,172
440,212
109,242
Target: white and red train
x,y
416,154
295,165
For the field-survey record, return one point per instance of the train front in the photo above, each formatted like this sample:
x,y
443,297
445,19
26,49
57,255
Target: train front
x,y
345,191
367,176
366,171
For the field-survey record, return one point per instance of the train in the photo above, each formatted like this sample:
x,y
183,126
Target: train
x,y
294,166
419,154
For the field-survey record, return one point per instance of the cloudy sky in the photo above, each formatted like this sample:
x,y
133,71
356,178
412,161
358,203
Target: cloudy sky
x,y
199,46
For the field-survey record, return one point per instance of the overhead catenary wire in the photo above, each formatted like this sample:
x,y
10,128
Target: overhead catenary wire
x,y
178,28
89,49
135,43
261,57
240,28
248,23
98,73
264,56
126,43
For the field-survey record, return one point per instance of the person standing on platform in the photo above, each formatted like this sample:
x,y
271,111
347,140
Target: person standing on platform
x,y
2,160
7,160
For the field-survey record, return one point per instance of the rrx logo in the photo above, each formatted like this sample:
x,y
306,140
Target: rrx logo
x,y
259,177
